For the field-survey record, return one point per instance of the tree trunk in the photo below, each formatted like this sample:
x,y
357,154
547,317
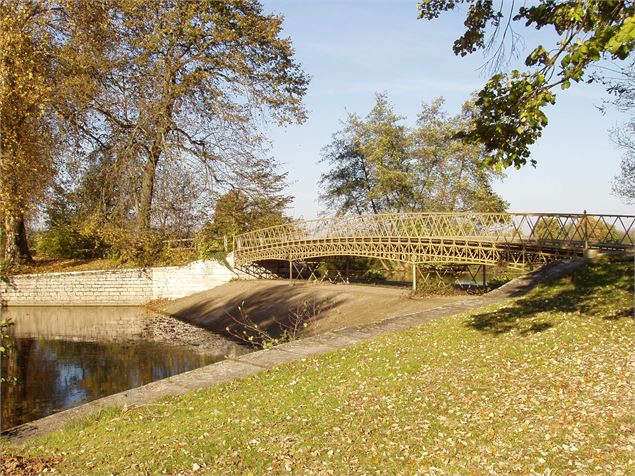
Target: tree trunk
x,y
23,242
16,246
144,213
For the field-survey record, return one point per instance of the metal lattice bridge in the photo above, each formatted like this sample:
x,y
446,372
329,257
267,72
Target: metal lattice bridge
x,y
516,240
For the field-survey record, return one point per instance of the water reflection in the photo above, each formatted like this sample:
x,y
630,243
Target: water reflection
x,y
63,357
83,323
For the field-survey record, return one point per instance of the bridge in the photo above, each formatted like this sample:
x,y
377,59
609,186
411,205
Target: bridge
x,y
515,240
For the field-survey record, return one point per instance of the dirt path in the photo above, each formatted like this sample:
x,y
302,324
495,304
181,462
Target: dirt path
x,y
337,305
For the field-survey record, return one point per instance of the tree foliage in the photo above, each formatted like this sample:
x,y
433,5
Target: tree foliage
x,y
582,228
621,85
624,182
512,105
146,111
25,132
45,59
236,212
188,83
377,164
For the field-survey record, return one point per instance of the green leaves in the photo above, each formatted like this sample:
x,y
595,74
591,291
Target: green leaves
x,y
510,117
539,55
379,165
511,106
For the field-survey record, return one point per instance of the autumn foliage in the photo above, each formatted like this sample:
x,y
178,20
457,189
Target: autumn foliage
x,y
134,107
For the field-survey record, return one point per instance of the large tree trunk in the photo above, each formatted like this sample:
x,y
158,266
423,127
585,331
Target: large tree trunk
x,y
16,245
144,213
23,242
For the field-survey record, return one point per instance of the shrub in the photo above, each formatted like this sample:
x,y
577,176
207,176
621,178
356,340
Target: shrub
x,y
132,248
497,281
374,275
208,243
299,320
68,241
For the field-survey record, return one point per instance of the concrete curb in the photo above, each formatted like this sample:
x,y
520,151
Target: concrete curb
x,y
259,361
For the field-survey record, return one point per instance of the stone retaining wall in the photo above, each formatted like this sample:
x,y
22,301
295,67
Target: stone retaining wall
x,y
113,287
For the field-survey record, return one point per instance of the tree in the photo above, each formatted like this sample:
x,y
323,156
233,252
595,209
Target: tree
x,y
511,105
152,101
624,182
368,158
621,85
587,228
45,50
348,184
379,165
190,82
236,212
449,172
25,134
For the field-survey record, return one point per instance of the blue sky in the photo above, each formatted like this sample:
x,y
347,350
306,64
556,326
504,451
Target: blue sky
x,y
352,49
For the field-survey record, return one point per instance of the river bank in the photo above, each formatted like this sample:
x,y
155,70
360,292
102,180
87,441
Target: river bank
x,y
539,383
332,306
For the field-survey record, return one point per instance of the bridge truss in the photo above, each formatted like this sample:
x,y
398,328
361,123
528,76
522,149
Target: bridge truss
x,y
516,240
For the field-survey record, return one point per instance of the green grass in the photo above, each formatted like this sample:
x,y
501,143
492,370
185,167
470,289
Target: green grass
x,y
537,385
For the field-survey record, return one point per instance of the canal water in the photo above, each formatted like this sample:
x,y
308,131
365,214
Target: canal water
x,y
61,357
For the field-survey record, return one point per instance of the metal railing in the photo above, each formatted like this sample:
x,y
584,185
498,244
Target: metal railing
x,y
517,239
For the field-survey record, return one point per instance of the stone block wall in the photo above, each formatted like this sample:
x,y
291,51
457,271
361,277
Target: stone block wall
x,y
113,287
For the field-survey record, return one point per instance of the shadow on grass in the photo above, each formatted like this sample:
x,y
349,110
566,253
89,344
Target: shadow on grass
x,y
591,289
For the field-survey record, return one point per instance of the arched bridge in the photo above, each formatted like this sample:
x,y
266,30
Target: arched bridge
x,y
518,240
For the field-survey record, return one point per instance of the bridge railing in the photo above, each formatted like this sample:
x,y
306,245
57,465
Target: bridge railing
x,y
545,230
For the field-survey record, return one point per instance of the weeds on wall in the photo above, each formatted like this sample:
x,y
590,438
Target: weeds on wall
x,y
6,343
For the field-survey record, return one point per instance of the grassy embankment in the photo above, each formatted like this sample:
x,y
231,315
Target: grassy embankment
x,y
540,385
175,257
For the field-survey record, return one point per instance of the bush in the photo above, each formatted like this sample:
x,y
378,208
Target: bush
x,y
300,320
497,281
374,275
208,244
67,241
128,247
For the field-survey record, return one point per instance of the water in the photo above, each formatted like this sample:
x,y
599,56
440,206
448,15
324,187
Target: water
x,y
65,356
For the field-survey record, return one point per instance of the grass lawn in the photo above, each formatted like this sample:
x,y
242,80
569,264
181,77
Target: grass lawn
x,y
543,384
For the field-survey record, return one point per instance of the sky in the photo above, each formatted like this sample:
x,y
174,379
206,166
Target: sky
x,y
352,49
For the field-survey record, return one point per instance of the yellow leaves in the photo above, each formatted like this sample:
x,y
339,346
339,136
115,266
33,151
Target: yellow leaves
x,y
25,94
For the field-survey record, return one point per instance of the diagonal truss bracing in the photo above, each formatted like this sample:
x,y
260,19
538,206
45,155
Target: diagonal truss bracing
x,y
515,239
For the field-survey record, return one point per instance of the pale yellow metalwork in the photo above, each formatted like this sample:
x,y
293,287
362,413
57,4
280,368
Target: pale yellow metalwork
x,y
517,240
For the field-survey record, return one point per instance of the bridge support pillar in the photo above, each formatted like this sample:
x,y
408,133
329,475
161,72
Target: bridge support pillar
x,y
290,271
414,277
